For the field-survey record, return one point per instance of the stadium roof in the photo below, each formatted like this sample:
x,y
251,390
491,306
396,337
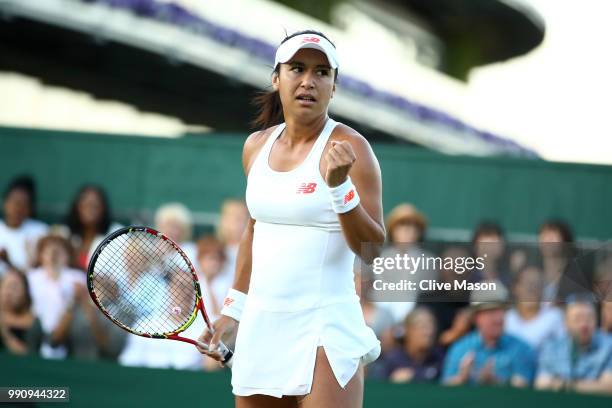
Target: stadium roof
x,y
162,57
494,30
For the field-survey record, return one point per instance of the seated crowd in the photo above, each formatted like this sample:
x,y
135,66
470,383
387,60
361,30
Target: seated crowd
x,y
45,307
547,324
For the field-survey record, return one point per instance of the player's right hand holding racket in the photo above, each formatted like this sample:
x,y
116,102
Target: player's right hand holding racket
x,y
222,327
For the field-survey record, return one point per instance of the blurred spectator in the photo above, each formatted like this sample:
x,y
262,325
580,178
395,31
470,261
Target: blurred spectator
x,y
406,228
418,359
175,221
18,231
488,243
89,222
518,259
161,353
528,320
602,282
488,355
234,219
580,360
449,306
379,319
213,281
461,324
52,286
562,277
20,329
85,332
606,317
129,292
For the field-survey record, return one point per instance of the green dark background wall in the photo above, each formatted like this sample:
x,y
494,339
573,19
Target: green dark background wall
x,y
104,384
455,192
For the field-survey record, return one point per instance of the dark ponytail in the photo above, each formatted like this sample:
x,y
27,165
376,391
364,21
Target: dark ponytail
x,y
270,109
268,103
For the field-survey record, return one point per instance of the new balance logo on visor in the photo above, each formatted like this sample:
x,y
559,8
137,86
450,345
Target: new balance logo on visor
x,y
228,301
310,39
349,196
306,188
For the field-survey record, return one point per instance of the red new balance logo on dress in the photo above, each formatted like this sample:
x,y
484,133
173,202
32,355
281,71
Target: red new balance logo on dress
x,y
306,188
349,196
228,301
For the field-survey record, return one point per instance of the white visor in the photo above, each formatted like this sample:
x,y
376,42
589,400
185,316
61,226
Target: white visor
x,y
288,49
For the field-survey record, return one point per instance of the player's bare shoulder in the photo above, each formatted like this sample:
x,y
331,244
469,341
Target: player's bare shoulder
x,y
253,145
344,133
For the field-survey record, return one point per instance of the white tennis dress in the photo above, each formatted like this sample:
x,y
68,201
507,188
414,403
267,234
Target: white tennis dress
x,y
302,293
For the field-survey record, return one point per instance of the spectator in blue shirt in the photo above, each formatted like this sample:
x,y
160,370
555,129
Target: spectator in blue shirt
x,y
487,355
606,317
582,359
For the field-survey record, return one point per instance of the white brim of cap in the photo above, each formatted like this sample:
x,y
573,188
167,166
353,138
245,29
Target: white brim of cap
x,y
288,49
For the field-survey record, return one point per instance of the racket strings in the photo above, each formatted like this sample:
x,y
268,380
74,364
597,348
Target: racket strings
x,y
144,283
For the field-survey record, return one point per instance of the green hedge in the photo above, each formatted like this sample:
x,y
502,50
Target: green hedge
x,y
201,171
98,384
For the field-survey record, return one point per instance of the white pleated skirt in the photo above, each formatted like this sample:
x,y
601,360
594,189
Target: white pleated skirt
x,y
275,352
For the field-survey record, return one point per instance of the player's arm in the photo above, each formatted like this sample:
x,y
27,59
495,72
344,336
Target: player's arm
x,y
226,324
351,155
242,275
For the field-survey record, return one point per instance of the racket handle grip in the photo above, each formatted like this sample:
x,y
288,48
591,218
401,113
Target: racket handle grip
x,y
225,353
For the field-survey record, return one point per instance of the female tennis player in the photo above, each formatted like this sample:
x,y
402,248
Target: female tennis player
x,y
314,196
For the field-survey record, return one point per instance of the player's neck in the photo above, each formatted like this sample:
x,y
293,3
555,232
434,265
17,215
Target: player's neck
x,y
298,132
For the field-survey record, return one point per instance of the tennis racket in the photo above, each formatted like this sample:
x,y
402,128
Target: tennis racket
x,y
144,283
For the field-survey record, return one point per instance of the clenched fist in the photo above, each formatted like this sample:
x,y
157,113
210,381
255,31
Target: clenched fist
x,y
340,158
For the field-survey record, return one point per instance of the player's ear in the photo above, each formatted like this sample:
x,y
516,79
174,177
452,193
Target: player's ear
x,y
275,80
333,90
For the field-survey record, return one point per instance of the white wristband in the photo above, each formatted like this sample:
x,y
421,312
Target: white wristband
x,y
344,197
233,305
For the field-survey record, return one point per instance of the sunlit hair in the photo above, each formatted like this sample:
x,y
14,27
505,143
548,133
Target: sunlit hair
x,y
177,212
53,239
209,245
411,318
226,208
